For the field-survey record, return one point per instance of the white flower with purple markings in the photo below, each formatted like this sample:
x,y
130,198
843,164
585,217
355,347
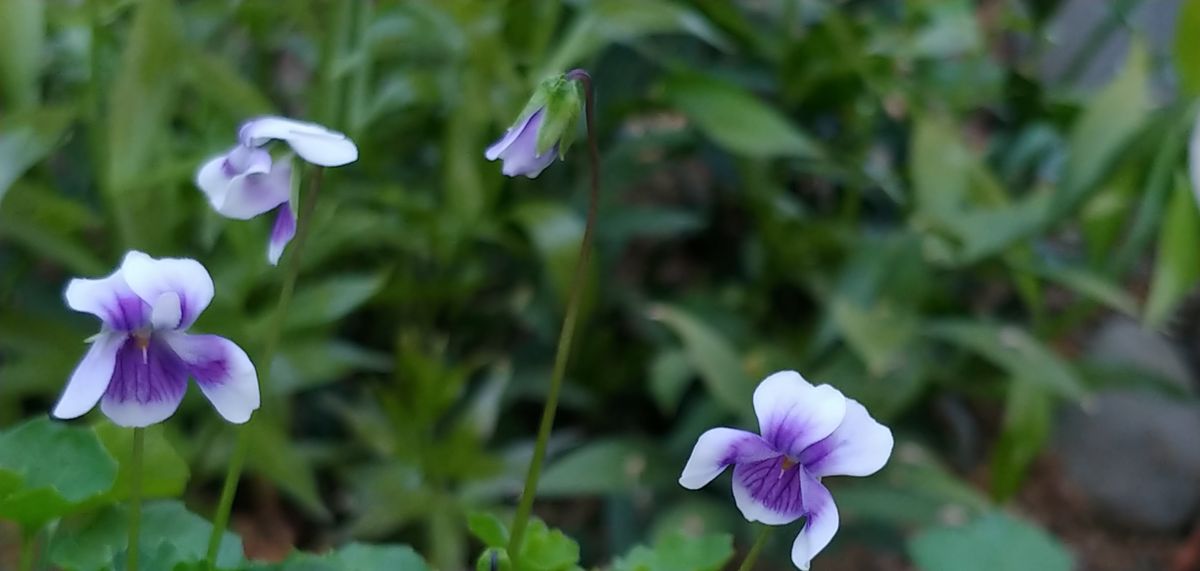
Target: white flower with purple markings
x,y
246,182
138,365
807,433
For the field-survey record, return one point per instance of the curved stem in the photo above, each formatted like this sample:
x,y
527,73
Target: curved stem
x,y
271,345
752,556
562,353
135,498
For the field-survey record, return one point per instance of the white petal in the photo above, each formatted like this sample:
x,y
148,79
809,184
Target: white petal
x,y
256,194
718,448
167,311
109,298
821,525
859,447
213,182
1194,159
150,278
91,377
314,143
793,414
223,372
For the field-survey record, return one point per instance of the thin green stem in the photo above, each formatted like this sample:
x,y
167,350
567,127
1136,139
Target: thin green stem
x,y
763,535
274,333
563,351
135,498
28,541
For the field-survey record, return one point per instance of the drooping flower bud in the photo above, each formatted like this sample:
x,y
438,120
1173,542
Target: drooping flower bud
x,y
543,131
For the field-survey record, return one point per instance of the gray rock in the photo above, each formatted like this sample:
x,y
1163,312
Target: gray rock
x,y
1122,341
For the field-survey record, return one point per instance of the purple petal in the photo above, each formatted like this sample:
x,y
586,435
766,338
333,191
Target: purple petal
x,y
793,414
859,447
717,449
160,282
493,152
314,143
111,299
91,376
224,174
518,149
769,491
224,372
281,233
1194,159
256,194
147,384
821,525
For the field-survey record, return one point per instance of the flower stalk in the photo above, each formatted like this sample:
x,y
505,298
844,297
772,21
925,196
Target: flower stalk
x,y
759,543
237,462
566,335
135,497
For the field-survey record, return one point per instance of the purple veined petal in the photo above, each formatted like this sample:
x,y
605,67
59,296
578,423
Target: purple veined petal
x,y
493,152
91,376
793,414
256,194
859,447
150,278
282,233
222,370
768,491
111,299
314,143
716,449
232,182
147,383
821,525
1194,159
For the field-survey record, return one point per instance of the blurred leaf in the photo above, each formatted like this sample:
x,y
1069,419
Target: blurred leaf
x,y
27,138
913,490
309,363
713,357
171,538
165,473
219,82
280,460
602,467
737,120
22,39
1098,137
1187,47
488,528
330,299
996,542
353,557
940,167
546,549
679,552
1091,285
555,231
1177,265
881,334
623,21
670,373
48,470
1012,349
1026,428
952,30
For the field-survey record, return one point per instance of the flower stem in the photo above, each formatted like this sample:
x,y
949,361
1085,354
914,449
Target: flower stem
x,y
28,541
562,353
135,498
274,333
752,556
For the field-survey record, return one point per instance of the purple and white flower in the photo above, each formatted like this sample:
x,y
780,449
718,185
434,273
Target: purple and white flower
x,y
138,365
246,182
518,148
807,433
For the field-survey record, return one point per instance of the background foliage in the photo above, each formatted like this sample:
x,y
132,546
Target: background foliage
x,y
895,198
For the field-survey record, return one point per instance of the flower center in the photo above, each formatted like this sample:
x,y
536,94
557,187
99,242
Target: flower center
x,y
142,340
786,463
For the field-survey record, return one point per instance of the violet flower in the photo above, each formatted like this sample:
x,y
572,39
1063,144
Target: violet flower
x,y
807,433
139,363
246,182
543,131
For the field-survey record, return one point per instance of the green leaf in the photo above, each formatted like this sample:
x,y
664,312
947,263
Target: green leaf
x,y
165,474
22,43
996,542
219,82
1100,135
26,138
1012,349
1026,428
737,120
555,231
1091,285
58,468
1177,265
712,356
602,467
670,374
353,557
488,528
940,167
331,299
547,549
913,490
170,523
880,334
679,552
1187,47
281,461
